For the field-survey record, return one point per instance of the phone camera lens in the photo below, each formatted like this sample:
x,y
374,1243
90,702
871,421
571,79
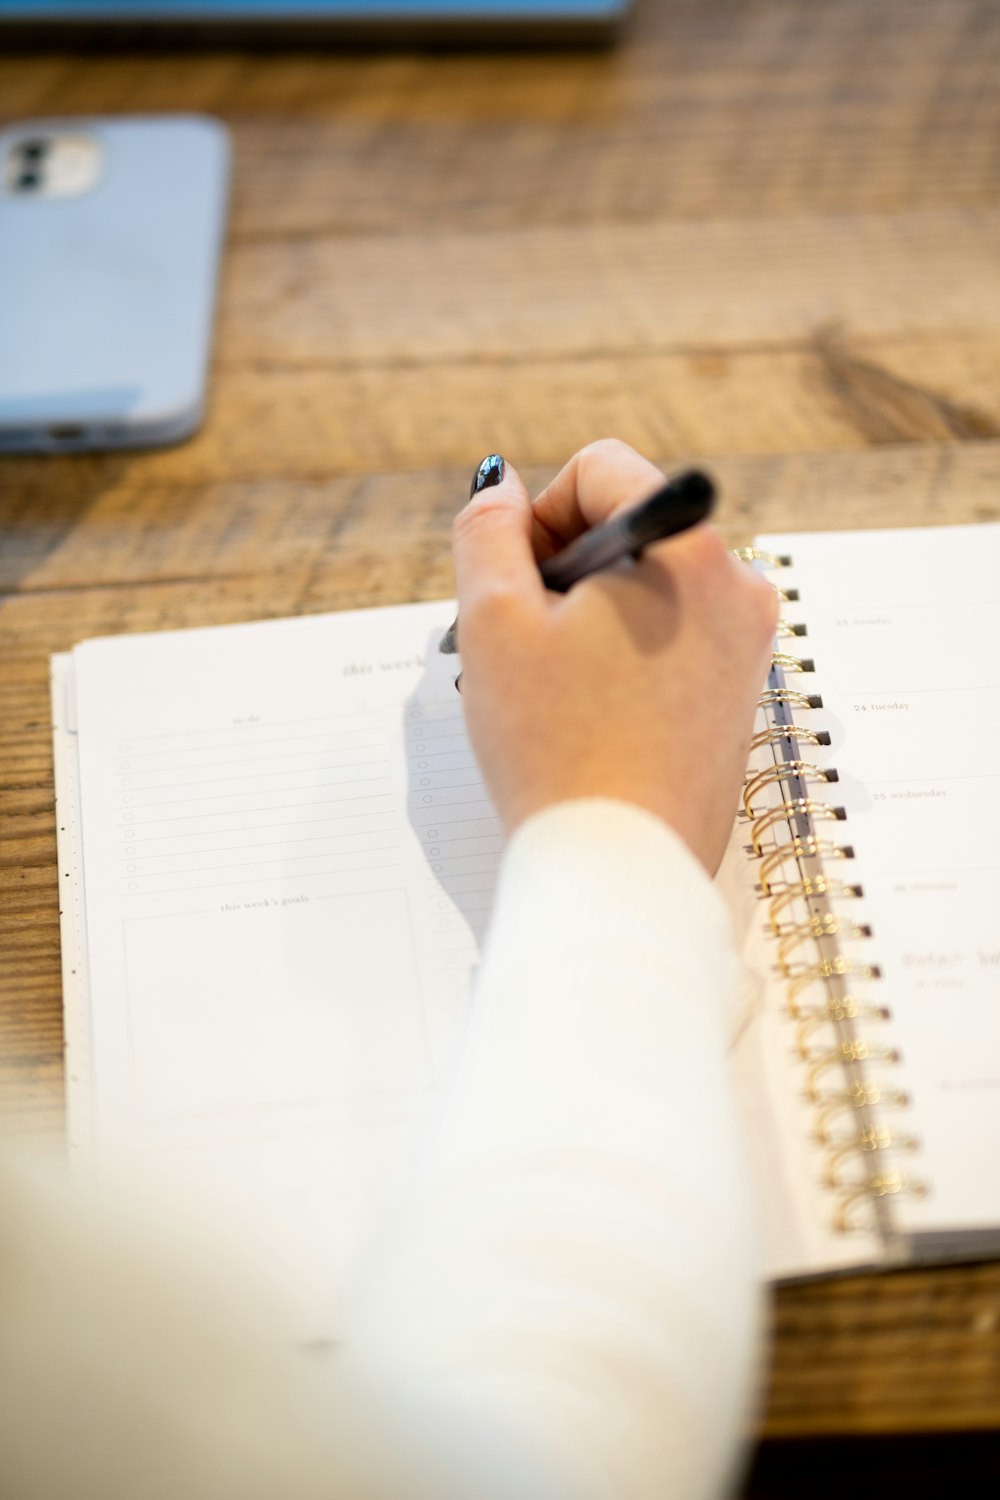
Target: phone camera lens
x,y
33,150
27,181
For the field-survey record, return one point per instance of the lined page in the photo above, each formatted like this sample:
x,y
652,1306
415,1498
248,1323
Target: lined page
x,y
904,628
289,860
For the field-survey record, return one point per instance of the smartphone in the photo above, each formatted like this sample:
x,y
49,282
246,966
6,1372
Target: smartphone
x,y
110,238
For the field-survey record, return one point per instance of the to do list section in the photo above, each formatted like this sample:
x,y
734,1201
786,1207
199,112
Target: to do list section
x,y
290,862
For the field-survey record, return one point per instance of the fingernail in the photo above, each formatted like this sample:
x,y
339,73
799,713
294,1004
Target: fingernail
x,y
489,473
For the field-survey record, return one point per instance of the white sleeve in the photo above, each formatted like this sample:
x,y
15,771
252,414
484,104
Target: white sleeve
x,y
564,1308
566,1303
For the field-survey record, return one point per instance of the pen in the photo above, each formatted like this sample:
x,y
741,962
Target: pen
x,y
682,502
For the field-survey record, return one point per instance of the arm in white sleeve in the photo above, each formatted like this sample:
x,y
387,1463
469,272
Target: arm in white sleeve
x,y
566,1303
564,1306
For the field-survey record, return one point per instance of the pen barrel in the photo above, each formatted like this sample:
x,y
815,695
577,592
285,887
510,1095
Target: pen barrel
x,y
588,554
683,502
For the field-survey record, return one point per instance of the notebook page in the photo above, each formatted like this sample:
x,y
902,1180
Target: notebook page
x,y
904,629
289,859
72,910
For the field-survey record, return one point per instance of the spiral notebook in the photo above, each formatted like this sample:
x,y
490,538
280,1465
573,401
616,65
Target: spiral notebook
x,y
278,858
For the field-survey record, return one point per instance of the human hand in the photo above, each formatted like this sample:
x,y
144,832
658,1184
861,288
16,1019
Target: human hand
x,y
640,683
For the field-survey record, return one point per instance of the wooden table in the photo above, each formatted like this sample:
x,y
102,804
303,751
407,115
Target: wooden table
x,y
763,233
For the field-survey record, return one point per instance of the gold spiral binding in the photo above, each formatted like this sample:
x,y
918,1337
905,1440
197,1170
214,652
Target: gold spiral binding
x,y
872,1138
861,1097
813,1021
754,554
826,925
778,732
826,993
881,1185
827,968
773,696
859,1050
763,823
841,1008
799,770
798,848
792,663
819,885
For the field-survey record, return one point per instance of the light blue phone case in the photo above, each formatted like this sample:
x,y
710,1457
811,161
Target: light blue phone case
x,y
107,296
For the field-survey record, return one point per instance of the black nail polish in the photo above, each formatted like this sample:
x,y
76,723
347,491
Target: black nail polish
x,y
489,473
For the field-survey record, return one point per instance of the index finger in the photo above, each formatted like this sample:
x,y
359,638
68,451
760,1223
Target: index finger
x,y
605,477
492,544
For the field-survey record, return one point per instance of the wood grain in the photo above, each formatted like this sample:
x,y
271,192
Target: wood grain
x,y
763,233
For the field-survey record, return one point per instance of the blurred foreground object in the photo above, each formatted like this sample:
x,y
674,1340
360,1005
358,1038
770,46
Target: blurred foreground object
x,y
298,20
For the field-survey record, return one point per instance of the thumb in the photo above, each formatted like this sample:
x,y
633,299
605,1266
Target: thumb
x,y
492,537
